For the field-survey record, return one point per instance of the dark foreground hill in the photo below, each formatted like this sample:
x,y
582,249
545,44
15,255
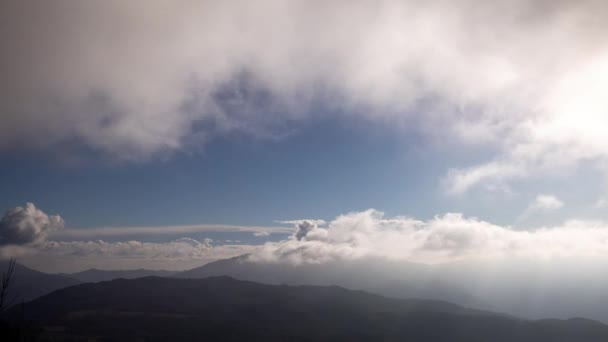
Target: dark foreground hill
x,y
28,284
225,309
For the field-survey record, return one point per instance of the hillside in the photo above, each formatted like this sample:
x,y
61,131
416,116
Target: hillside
x,y
155,309
28,284
528,291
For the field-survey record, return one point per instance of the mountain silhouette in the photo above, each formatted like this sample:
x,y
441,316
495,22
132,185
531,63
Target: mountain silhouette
x,y
222,308
95,275
27,284
521,290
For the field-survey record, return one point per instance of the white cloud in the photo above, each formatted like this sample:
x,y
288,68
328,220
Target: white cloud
x,y
297,222
542,203
184,253
444,239
546,202
492,174
142,79
601,203
27,225
562,129
24,232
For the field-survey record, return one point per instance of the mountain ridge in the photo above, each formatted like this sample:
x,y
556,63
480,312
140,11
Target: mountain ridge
x,y
157,308
27,284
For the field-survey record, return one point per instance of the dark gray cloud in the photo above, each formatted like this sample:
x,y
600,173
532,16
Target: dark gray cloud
x,y
304,228
27,225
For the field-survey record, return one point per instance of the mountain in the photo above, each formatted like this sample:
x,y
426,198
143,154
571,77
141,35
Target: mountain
x,y
94,275
378,275
392,279
222,308
524,290
27,284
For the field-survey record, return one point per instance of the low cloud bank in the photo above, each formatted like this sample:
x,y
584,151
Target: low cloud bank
x,y
180,254
444,239
24,233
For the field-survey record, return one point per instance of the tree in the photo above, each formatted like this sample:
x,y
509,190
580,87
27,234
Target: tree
x,y
6,282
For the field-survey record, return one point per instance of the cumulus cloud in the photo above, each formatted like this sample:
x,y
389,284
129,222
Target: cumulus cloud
x,y
27,225
443,239
309,230
139,79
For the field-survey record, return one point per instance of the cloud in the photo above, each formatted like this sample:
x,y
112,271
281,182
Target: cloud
x,y
143,79
542,203
24,233
559,132
443,239
546,202
304,228
492,174
27,225
601,203
179,254
297,222
105,232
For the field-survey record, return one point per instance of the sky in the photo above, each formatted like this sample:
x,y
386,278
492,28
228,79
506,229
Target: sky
x,y
166,135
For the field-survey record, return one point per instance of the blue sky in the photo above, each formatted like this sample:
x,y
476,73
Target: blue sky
x,y
319,170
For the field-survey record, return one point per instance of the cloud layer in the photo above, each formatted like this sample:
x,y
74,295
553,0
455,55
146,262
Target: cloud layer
x,y
25,232
362,235
444,239
105,232
141,79
27,225
178,254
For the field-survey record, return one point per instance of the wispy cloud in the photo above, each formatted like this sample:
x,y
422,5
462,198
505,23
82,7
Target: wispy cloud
x,y
61,256
546,202
105,232
601,203
542,203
